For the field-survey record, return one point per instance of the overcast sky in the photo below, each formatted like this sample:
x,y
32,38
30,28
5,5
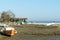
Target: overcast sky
x,y
33,9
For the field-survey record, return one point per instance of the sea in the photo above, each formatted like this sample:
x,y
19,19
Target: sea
x,y
44,21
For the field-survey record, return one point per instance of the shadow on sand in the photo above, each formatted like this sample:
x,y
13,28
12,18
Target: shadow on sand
x,y
1,33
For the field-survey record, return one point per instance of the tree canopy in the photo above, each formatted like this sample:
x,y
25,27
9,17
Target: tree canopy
x,y
6,15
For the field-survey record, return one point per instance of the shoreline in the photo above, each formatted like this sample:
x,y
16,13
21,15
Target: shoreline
x,y
43,23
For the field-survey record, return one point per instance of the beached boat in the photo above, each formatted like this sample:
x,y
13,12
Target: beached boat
x,y
9,31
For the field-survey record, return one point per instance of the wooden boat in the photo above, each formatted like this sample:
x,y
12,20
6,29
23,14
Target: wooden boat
x,y
9,31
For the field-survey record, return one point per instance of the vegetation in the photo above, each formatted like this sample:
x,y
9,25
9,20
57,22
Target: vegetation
x,y
7,15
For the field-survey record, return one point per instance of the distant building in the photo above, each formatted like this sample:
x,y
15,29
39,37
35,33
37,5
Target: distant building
x,y
18,20
15,20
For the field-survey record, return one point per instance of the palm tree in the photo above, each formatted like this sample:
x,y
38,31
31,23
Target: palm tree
x,y
11,14
6,16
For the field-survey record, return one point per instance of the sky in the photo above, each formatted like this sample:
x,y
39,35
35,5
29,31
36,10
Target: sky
x,y
33,9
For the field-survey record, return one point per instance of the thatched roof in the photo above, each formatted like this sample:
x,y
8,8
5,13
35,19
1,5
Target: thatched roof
x,y
19,18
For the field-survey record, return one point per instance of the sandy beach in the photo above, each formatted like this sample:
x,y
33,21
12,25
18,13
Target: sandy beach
x,y
34,32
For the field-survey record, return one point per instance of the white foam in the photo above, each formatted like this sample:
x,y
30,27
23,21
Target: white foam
x,y
49,24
